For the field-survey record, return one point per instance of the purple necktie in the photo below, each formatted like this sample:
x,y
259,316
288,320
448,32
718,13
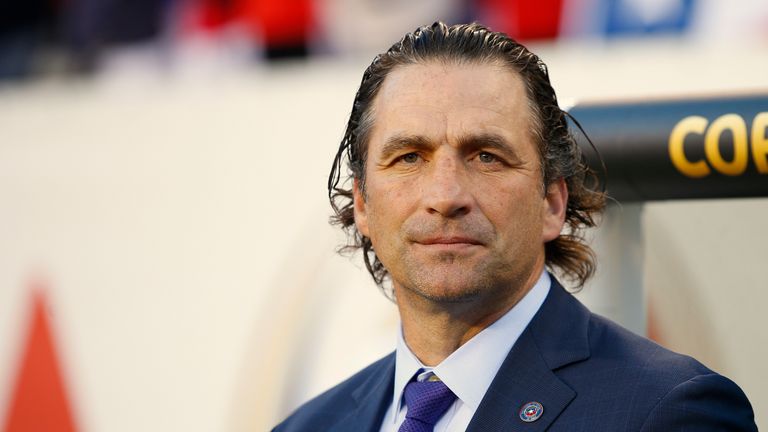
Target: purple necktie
x,y
427,401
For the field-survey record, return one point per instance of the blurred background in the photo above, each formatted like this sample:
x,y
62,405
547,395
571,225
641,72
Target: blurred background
x,y
165,257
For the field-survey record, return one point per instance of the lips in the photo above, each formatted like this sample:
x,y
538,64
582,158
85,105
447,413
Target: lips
x,y
449,240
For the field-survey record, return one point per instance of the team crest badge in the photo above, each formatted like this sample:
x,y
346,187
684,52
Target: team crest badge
x,y
531,412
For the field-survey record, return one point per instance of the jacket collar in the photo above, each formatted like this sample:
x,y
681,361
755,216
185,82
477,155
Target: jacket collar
x,y
371,398
556,337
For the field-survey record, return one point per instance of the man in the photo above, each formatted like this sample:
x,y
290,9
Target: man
x,y
463,176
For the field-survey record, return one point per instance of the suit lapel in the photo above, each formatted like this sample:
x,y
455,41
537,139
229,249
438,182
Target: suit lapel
x,y
372,399
556,337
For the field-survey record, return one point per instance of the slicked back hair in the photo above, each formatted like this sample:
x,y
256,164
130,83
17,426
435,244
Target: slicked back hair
x,y
560,157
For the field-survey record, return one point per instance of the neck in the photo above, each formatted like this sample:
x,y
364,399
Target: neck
x,y
435,329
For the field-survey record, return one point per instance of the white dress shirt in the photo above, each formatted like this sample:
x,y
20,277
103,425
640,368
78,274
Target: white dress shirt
x,y
469,370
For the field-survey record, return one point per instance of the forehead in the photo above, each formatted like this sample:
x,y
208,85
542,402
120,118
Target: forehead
x,y
444,101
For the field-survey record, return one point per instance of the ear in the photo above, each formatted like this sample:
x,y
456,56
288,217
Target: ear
x,y
361,212
555,204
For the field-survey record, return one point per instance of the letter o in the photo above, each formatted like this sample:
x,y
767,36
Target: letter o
x,y
738,128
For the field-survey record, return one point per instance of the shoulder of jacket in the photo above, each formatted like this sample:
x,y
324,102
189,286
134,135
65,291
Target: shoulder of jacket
x,y
337,397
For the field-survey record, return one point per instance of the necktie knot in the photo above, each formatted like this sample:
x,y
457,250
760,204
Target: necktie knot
x,y
427,401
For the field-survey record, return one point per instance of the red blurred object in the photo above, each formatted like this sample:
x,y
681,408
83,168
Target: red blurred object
x,y
39,401
280,22
282,26
523,19
215,13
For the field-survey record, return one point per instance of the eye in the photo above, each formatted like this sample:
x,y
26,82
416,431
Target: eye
x,y
487,158
409,158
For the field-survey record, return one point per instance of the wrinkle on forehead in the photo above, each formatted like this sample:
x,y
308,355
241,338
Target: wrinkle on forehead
x,y
433,86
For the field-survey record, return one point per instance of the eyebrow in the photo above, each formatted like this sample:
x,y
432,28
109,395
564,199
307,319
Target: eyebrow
x,y
492,141
397,143
468,143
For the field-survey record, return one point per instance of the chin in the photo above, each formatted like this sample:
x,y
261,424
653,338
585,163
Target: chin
x,y
451,291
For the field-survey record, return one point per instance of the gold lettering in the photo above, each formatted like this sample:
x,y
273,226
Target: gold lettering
x,y
686,126
738,128
760,142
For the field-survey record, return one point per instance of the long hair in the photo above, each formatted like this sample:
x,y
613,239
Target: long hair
x,y
560,156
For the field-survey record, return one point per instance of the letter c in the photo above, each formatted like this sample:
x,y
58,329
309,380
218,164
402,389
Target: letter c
x,y
688,125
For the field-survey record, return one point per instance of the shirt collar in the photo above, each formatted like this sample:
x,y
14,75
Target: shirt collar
x,y
482,355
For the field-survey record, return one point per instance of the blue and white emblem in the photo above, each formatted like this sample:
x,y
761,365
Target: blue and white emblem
x,y
531,412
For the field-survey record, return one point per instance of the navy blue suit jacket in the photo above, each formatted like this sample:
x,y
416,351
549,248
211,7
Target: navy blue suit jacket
x,y
587,372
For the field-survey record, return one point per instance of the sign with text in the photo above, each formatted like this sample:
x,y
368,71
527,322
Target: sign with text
x,y
679,149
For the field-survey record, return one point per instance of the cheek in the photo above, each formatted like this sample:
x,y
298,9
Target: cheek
x,y
517,215
395,194
385,208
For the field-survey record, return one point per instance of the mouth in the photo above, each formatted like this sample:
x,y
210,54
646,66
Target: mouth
x,y
453,240
449,242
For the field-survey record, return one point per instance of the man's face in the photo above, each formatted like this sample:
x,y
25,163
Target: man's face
x,y
454,203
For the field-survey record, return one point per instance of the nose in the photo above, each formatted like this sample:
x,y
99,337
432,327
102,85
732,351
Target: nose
x,y
446,190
